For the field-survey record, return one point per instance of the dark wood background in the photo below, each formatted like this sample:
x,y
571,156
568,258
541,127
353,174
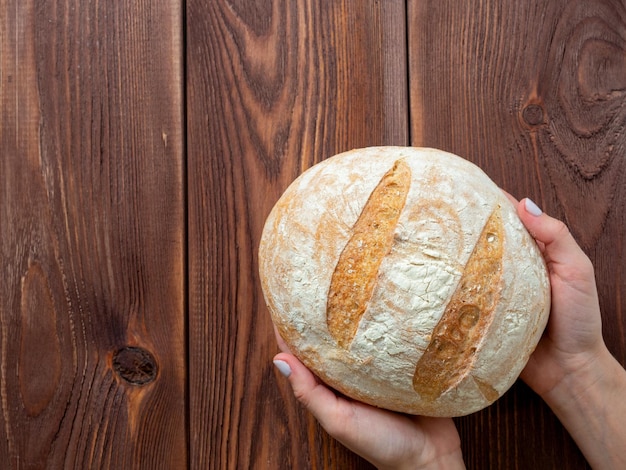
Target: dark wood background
x,y
143,144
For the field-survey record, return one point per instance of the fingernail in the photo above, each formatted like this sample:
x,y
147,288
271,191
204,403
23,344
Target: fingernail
x,y
532,208
283,367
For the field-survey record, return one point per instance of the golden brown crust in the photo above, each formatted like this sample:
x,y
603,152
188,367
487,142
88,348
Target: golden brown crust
x,y
354,277
450,355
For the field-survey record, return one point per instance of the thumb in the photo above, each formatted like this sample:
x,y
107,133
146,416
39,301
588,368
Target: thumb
x,y
561,252
307,388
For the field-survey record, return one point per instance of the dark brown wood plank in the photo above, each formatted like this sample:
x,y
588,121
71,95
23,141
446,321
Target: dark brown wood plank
x,y
92,235
535,93
273,87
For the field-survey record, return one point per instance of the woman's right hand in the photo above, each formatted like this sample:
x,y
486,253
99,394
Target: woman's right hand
x,y
573,336
571,368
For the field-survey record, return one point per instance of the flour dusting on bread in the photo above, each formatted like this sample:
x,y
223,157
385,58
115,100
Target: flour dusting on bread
x,y
404,278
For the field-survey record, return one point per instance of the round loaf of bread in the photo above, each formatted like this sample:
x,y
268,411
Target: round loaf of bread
x,y
404,278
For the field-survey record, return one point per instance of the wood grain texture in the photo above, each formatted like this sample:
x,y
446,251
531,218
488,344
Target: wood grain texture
x,y
273,87
120,214
91,234
535,93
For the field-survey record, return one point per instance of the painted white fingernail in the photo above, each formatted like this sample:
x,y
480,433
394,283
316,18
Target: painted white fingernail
x,y
283,367
532,208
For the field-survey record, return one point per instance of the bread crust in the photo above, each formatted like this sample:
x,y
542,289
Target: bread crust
x,y
354,277
443,216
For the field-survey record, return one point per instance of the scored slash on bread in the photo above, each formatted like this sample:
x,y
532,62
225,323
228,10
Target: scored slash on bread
x,y
450,354
354,277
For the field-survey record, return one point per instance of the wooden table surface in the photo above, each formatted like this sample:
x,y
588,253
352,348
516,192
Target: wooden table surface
x,y
142,145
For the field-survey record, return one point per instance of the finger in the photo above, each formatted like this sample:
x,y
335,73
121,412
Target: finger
x,y
510,197
308,390
559,244
281,342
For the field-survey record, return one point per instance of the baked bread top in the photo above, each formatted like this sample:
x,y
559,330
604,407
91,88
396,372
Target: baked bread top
x,y
404,278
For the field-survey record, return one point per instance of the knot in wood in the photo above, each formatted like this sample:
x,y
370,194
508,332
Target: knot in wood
x,y
533,115
135,365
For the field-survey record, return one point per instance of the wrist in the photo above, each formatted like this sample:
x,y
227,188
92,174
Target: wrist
x,y
591,407
581,378
449,461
